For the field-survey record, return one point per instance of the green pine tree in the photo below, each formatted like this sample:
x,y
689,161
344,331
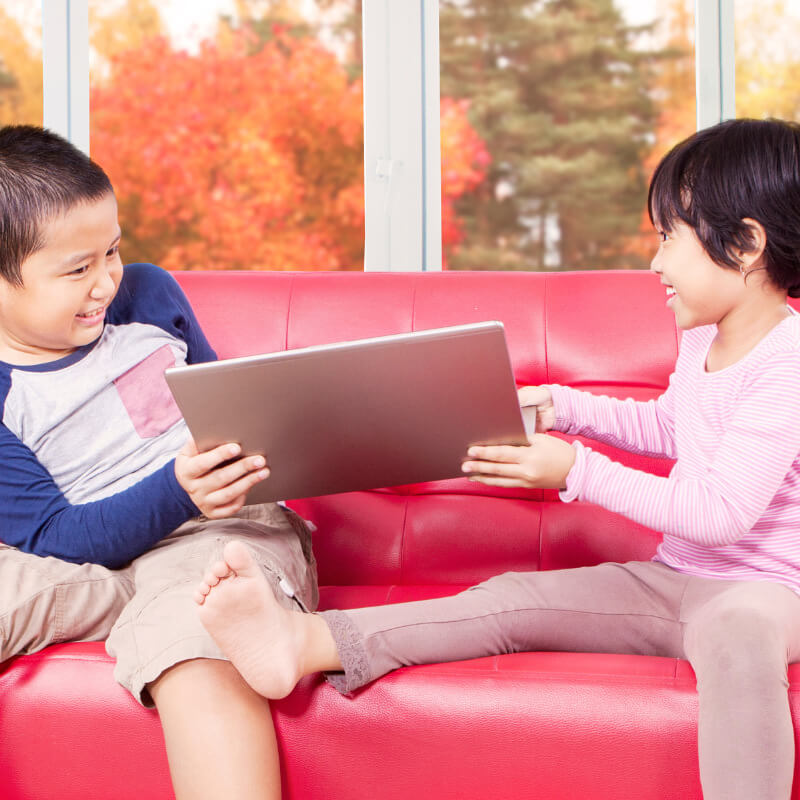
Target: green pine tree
x,y
560,95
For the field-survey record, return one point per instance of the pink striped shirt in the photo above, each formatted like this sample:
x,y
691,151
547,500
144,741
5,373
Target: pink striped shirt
x,y
730,507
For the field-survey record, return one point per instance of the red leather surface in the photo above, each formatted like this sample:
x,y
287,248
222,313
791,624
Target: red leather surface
x,y
550,726
529,725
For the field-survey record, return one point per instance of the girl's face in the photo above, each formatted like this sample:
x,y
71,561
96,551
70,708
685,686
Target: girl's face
x,y
699,291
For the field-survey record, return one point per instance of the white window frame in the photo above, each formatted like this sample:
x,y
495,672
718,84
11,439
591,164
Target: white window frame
x,y
402,163
715,66
65,69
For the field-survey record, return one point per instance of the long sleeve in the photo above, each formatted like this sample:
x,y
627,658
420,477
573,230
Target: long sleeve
x,y
88,443
37,517
731,471
647,428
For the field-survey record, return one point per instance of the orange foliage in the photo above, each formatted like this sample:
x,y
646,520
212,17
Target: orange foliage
x,y
465,161
246,155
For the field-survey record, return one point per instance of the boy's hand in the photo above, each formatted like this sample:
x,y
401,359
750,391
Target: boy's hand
x,y
217,484
542,464
540,398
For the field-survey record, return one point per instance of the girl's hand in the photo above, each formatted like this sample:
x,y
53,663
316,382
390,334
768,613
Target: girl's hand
x,y
544,463
218,480
540,398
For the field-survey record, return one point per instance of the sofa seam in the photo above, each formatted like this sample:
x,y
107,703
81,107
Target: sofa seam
x,y
545,337
403,541
288,312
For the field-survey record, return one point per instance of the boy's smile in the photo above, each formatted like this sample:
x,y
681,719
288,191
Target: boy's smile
x,y
67,286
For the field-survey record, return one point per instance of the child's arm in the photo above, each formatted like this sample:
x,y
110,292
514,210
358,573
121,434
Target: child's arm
x,y
38,519
713,504
647,428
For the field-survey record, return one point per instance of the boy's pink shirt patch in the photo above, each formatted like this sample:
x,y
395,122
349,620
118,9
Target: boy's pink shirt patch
x,y
146,396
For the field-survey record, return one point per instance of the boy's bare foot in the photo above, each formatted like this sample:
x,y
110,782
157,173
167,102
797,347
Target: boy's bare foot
x,y
263,640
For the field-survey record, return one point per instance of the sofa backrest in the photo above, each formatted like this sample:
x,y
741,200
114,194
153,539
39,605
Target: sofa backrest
x,y
606,332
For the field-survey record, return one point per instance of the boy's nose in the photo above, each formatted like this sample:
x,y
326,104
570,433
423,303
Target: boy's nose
x,y
104,285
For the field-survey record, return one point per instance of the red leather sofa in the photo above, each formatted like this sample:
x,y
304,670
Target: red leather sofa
x,y
550,726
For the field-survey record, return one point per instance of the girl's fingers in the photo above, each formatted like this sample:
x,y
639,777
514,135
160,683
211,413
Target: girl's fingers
x,y
508,483
492,468
509,454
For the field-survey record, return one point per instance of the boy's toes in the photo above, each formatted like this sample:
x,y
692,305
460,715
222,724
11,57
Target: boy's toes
x,y
239,559
220,570
210,580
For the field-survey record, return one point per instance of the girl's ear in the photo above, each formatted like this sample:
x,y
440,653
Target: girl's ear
x,y
757,242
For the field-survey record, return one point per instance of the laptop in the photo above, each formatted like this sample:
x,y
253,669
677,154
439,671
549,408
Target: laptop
x,y
357,415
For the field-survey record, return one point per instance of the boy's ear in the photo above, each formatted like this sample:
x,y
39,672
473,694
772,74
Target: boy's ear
x,y
757,243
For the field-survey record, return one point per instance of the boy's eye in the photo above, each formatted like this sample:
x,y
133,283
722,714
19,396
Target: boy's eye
x,y
113,251
80,270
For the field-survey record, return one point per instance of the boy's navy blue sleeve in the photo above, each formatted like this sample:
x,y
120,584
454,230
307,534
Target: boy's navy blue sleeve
x,y
36,516
152,295
38,519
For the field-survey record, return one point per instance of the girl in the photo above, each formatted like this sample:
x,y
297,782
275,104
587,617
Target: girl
x,y
722,590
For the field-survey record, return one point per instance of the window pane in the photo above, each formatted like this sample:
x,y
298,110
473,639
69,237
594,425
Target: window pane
x,y
560,112
232,131
767,58
20,62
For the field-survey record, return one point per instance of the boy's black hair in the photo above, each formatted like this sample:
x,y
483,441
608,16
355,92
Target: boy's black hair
x,y
741,168
41,176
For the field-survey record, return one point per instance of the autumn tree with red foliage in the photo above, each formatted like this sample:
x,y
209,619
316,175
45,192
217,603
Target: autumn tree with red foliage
x,y
248,154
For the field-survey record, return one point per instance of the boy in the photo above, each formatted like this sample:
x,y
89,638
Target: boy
x,y
107,511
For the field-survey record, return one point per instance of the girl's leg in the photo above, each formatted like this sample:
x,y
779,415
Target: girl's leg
x,y
609,608
740,643
218,732
623,608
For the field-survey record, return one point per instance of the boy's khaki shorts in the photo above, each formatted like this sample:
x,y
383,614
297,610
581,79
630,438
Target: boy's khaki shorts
x,y
146,610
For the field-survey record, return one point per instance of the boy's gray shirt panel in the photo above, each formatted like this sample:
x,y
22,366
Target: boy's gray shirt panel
x,y
86,425
88,442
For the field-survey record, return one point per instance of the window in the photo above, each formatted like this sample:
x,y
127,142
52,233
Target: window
x,y
233,135
20,62
436,181
767,59
562,110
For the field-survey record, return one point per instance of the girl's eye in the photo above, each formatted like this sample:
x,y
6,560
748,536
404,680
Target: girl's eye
x,y
662,236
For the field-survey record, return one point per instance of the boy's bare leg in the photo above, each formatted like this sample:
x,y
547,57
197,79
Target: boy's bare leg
x,y
271,646
218,732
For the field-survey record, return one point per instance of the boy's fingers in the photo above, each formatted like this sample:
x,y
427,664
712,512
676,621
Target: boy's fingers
x,y
227,475
202,463
229,494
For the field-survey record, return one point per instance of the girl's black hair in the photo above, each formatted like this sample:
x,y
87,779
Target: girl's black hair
x,y
742,168
41,176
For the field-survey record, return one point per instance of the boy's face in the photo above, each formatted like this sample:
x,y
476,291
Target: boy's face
x,y
67,286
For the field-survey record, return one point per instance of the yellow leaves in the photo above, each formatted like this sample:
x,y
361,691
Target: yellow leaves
x,y
21,100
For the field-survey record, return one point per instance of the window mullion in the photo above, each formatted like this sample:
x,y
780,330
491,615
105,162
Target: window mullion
x,y
401,136
65,69
715,61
